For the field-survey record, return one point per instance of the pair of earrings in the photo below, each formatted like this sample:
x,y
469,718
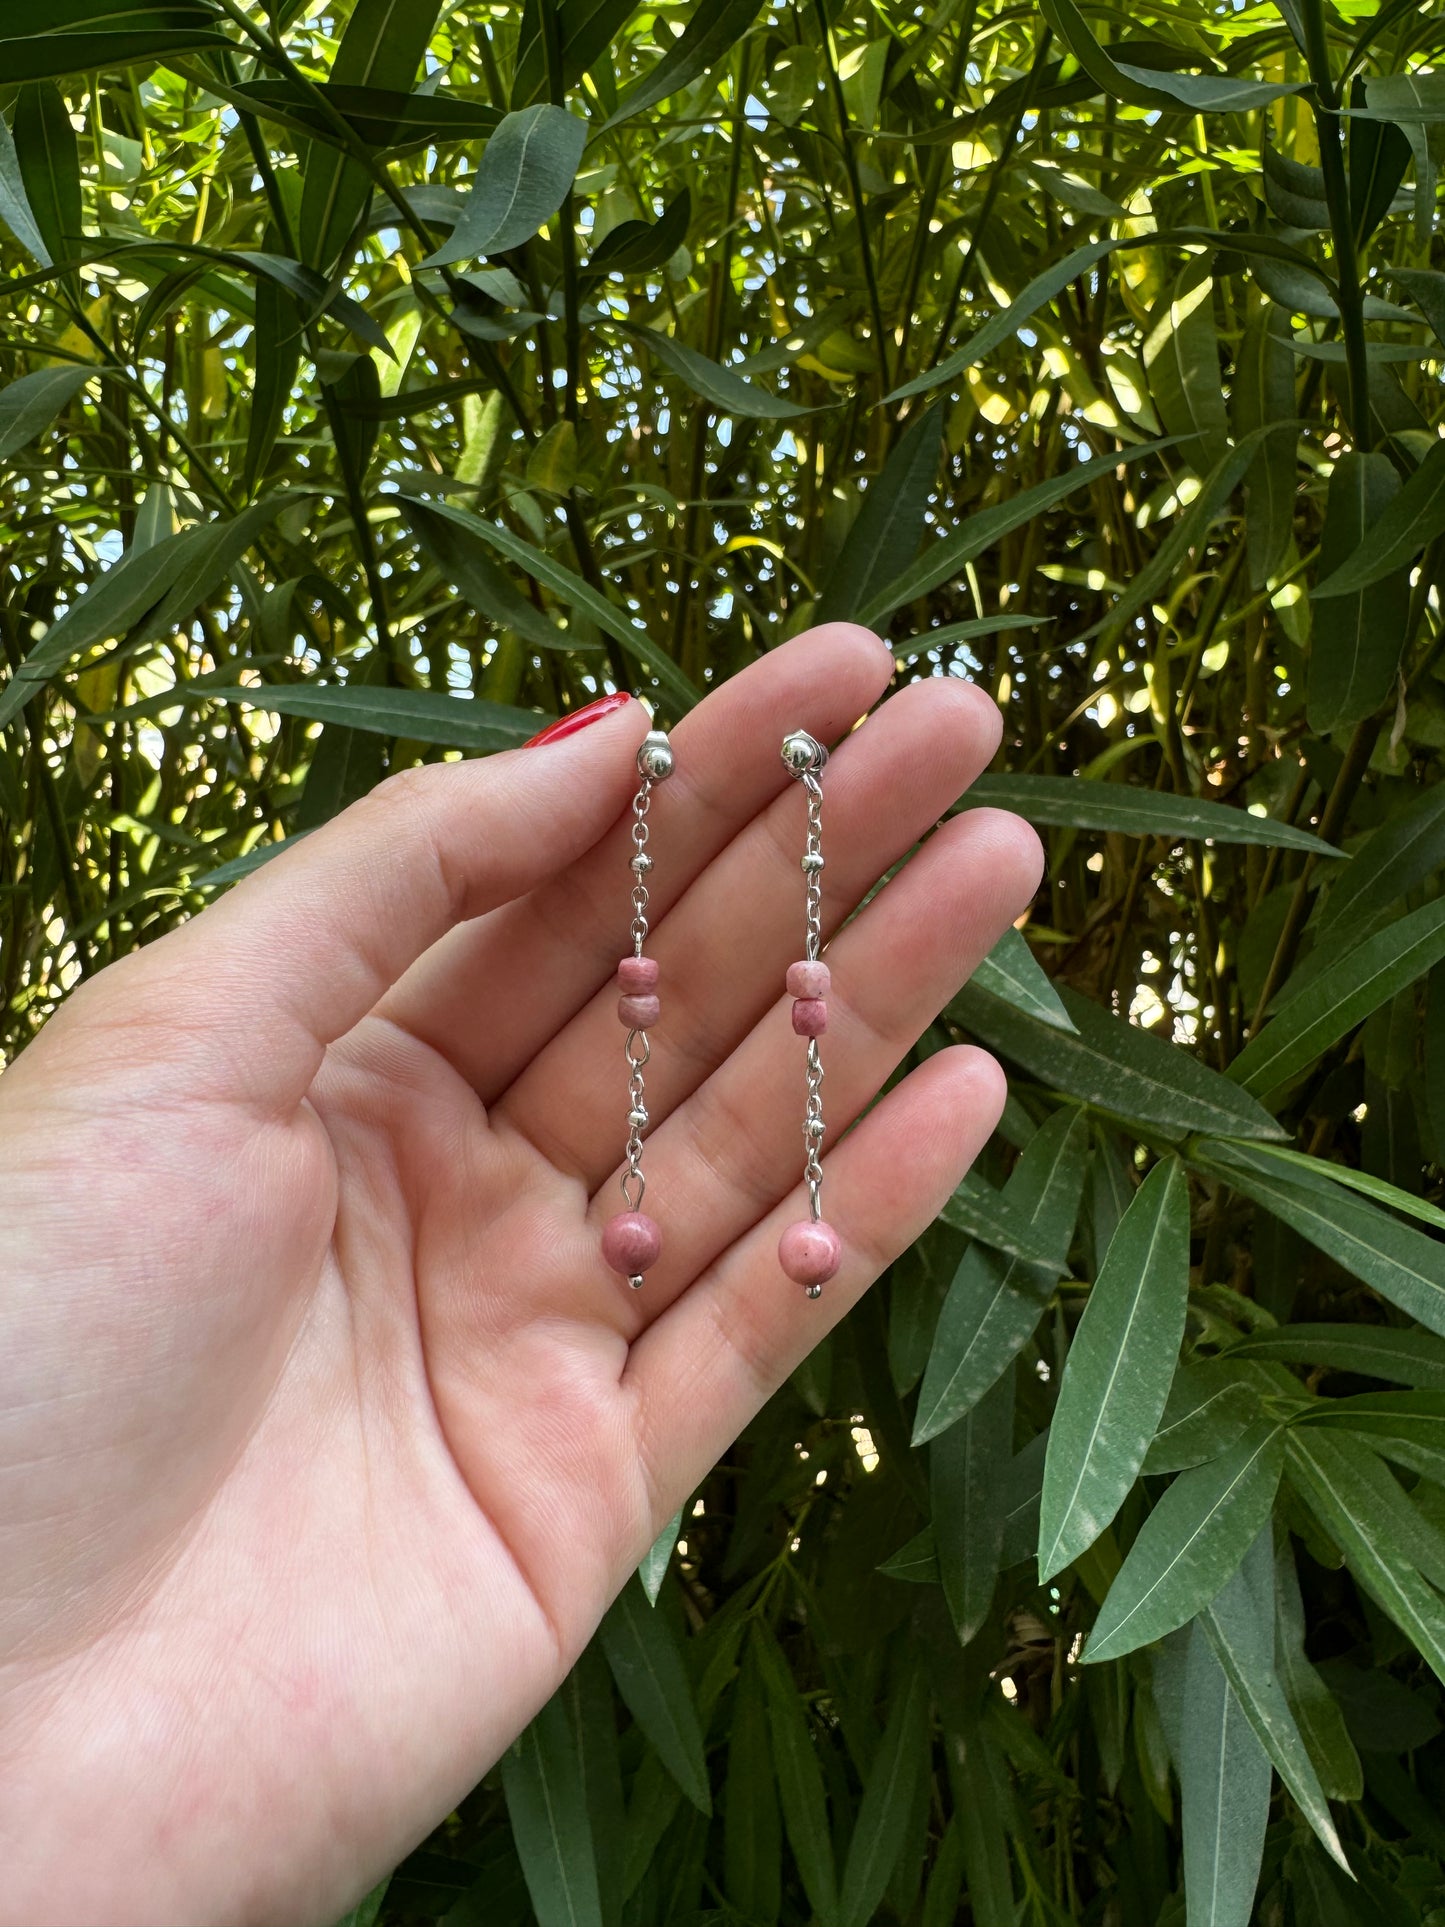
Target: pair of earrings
x,y
809,1251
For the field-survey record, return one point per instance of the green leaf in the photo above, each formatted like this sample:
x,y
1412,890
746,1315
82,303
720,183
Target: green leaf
x,y
885,534
1339,1485
1392,1352
92,41
641,247
1209,93
1181,356
578,595
1012,972
1089,803
707,36
658,1558
887,1802
1294,191
752,1834
1239,1625
1190,1544
1388,1415
28,406
547,1806
587,1696
1316,1710
49,160
1395,528
278,326
15,209
526,170
367,1911
1116,1378
947,558
1407,97
651,1678
1340,997
992,1217
465,563
994,1303
1357,639
1264,393
728,389
381,117
584,29
1389,864
1426,287
967,1468
1224,1787
800,1778
1210,1404
1401,1263
951,632
1115,1066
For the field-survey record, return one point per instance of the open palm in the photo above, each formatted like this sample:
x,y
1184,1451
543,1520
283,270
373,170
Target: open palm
x,y
326,1436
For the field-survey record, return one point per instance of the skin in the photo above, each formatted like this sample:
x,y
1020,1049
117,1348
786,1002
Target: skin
x,y
326,1437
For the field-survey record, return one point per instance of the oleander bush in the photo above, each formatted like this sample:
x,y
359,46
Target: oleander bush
x,y
378,379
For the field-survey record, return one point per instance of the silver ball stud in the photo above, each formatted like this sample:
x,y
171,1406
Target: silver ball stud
x,y
812,863
640,864
638,1119
812,1291
636,1281
815,1127
654,756
803,754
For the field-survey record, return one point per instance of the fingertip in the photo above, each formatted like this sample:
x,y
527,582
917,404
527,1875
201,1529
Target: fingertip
x,y
1015,850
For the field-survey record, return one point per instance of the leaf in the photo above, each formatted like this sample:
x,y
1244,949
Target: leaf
x,y
584,29
1089,803
1115,1066
1294,192
14,206
464,562
1239,1625
641,247
277,349
1418,1416
1012,972
1189,1545
1224,1786
1116,1378
1337,1485
1396,1353
578,595
752,1835
1181,356
1355,649
1379,156
967,1467
1402,1264
800,1778
886,531
525,173
91,42
651,1678
1426,287
1396,527
1407,97
49,160
1209,93
993,1303
707,36
653,1569
728,389
1392,861
1316,1710
992,1217
887,1801
1340,997
385,118
947,558
547,1806
1264,392
1210,1403
29,405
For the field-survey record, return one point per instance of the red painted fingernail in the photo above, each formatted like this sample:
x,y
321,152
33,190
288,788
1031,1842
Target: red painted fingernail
x,y
578,719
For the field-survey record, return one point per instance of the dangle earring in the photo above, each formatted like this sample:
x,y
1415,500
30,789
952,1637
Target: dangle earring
x,y
811,1250
631,1242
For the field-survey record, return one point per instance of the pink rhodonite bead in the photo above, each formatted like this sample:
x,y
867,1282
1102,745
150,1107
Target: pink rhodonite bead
x,y
810,1017
639,1012
809,980
810,1254
631,1243
637,975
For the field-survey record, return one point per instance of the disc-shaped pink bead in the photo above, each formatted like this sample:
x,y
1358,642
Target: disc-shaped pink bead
x,y
637,975
809,980
810,1253
639,1012
631,1242
810,1017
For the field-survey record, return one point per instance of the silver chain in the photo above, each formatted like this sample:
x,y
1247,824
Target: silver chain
x,y
637,1049
813,1126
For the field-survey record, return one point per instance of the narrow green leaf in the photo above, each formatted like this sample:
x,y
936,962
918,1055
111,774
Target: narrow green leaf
x,y
883,1813
1294,191
278,325
967,1468
29,405
1181,357
885,534
950,632
1264,392
1011,971
800,1778
1334,1482
1190,1544
994,1303
584,30
464,561
728,389
706,38
641,247
1398,527
49,161
1392,861
1400,1262
1357,638
652,1679
1407,97
1317,1711
1426,287
525,172
547,1806
1385,1415
586,1694
149,34
1115,1066
1224,1786
1209,93
1090,803
15,210
752,1833
991,1216
1116,1378
653,1569
1396,1353
1210,1403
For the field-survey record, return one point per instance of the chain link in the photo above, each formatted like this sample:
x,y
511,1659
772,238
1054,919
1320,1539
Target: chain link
x,y
637,1049
813,1126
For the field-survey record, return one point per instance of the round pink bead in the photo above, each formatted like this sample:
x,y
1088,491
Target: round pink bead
x,y
809,980
640,1012
631,1242
810,1253
637,975
810,1016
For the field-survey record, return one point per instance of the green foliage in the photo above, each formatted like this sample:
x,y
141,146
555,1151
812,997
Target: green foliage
x,y
377,380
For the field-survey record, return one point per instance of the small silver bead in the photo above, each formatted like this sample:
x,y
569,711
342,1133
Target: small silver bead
x,y
812,863
641,863
812,1291
815,1127
802,752
638,1119
654,757
636,1281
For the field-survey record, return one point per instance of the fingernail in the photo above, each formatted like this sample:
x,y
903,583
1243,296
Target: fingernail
x,y
578,719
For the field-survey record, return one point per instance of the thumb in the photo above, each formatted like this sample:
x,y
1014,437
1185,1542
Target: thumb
x,y
308,944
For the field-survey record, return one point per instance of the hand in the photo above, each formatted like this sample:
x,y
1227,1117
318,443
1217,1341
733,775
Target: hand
x,y
326,1437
